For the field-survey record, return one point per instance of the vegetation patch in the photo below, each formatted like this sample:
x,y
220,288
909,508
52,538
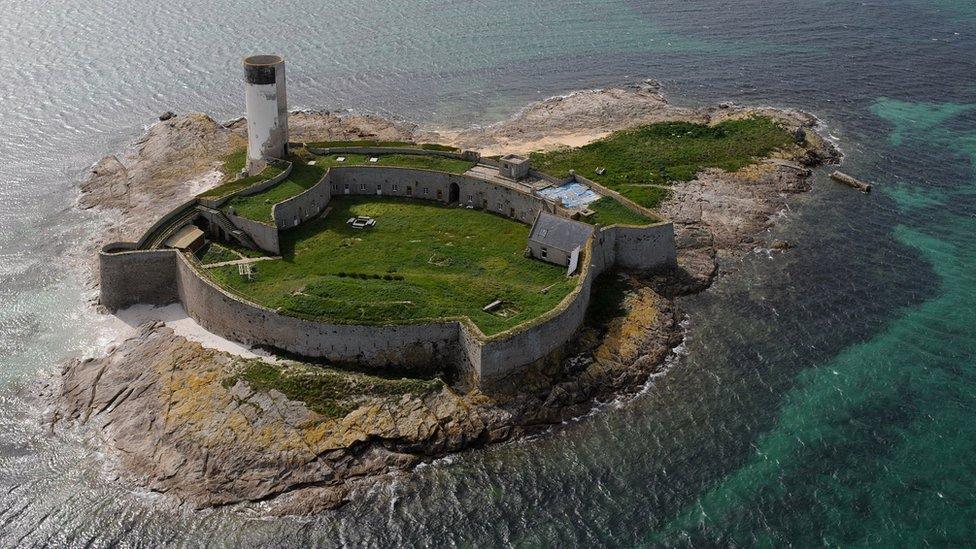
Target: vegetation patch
x,y
330,271
635,160
415,161
330,392
215,253
234,163
608,211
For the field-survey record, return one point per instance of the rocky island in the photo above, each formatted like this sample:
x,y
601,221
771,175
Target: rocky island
x,y
210,427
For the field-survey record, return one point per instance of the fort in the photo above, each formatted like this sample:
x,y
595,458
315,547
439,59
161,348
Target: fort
x,y
386,255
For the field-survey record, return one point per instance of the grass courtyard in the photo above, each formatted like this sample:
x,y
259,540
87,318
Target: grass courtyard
x,y
304,176
640,162
421,261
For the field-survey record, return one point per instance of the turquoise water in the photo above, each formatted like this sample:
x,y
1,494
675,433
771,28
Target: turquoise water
x,y
824,396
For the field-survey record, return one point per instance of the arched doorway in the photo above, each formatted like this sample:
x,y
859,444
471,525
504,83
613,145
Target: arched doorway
x,y
454,194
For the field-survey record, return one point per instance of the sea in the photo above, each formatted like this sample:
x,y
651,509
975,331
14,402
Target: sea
x,y
823,396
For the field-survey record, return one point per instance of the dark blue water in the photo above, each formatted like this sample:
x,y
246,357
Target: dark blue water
x,y
824,396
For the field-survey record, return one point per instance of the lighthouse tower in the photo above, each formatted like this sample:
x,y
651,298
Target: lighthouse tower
x,y
267,110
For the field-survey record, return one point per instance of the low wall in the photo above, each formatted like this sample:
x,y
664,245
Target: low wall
x,y
505,353
297,209
604,191
260,186
264,235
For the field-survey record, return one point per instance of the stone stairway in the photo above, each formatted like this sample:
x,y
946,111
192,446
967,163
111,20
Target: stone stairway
x,y
221,220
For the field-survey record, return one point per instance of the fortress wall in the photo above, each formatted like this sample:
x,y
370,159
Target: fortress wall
x,y
367,180
300,208
644,248
141,276
265,236
165,276
218,311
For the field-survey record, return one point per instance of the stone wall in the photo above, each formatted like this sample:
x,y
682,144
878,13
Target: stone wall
x,y
432,185
133,277
508,352
162,223
298,209
644,248
264,235
470,156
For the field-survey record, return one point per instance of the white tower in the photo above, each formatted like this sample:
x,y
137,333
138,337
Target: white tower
x,y
267,110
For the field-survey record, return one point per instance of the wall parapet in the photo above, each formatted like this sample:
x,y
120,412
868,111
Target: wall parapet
x,y
260,186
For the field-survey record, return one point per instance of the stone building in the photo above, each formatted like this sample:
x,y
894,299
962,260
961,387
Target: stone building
x,y
556,239
514,166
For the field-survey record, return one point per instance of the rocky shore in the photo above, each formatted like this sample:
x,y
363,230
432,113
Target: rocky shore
x,y
201,424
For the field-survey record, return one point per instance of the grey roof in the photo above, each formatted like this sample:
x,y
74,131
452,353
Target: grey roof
x,y
559,232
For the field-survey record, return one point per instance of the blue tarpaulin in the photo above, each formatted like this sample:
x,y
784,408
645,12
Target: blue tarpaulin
x,y
572,195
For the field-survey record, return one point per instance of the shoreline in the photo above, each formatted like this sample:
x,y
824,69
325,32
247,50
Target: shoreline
x,y
307,462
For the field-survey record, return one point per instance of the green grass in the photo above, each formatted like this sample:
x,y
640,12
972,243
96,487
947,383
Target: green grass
x,y
657,154
607,211
259,206
234,163
375,143
422,261
415,161
330,392
215,253
243,250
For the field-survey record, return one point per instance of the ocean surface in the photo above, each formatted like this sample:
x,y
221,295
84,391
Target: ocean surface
x,y
825,396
